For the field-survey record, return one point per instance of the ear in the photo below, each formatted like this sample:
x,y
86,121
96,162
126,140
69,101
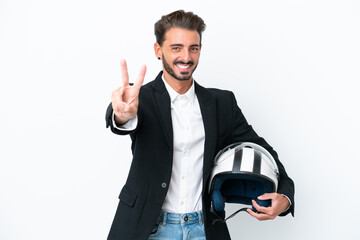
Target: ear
x,y
157,50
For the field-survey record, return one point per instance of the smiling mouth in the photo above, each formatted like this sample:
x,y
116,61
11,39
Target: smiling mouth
x,y
183,66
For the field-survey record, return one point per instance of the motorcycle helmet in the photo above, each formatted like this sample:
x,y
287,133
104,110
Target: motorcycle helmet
x,y
242,172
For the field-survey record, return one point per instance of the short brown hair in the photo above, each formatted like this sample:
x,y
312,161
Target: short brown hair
x,y
181,19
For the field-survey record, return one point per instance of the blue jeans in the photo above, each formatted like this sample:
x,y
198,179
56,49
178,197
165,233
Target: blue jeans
x,y
172,226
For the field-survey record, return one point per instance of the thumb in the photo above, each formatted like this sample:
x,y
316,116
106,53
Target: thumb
x,y
120,107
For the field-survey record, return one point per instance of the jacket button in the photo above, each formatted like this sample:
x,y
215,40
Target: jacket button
x,y
163,185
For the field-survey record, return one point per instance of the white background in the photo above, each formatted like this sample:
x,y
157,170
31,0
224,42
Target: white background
x,y
293,66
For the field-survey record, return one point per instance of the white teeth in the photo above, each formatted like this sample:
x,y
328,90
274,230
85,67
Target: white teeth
x,y
183,66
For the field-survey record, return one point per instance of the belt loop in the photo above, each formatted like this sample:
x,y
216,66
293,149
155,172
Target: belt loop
x,y
199,213
164,219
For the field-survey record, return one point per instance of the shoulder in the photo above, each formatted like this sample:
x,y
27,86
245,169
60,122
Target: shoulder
x,y
218,94
147,88
154,85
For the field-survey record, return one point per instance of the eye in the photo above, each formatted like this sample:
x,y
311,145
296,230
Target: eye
x,y
194,49
175,48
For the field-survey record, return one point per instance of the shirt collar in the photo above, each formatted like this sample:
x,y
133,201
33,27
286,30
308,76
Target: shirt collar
x,y
190,94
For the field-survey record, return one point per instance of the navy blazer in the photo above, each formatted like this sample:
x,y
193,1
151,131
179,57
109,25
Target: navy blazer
x,y
142,196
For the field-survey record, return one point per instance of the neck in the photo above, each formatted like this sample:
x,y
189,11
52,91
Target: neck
x,y
180,87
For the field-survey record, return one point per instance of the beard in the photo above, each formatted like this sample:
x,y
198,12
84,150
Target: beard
x,y
183,76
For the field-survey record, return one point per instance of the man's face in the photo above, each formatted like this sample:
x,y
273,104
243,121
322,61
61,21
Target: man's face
x,y
180,53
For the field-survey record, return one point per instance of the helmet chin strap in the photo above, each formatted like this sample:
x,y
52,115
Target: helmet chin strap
x,y
222,219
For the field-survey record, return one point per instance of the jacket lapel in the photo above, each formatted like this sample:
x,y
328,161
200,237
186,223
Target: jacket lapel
x,y
162,100
207,104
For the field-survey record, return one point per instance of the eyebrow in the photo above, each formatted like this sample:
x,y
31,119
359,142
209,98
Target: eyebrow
x,y
181,45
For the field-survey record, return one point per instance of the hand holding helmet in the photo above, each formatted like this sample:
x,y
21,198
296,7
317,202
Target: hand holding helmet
x,y
279,204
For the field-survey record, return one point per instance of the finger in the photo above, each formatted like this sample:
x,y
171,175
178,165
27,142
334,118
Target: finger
x,y
267,196
124,73
254,214
140,79
121,93
259,216
118,94
125,108
260,208
128,111
131,100
116,99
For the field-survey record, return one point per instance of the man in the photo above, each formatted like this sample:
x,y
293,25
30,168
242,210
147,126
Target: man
x,y
177,127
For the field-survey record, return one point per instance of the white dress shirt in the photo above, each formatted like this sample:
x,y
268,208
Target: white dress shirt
x,y
184,193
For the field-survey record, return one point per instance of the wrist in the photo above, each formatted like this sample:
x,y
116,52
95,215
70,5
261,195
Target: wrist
x,y
119,121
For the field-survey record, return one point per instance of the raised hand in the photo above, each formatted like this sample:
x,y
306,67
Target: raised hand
x,y
125,99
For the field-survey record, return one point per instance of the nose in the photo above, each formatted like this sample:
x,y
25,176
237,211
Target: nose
x,y
185,55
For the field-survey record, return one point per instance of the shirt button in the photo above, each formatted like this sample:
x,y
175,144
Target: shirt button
x,y
163,185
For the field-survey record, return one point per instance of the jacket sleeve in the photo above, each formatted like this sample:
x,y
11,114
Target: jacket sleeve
x,y
241,132
109,123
